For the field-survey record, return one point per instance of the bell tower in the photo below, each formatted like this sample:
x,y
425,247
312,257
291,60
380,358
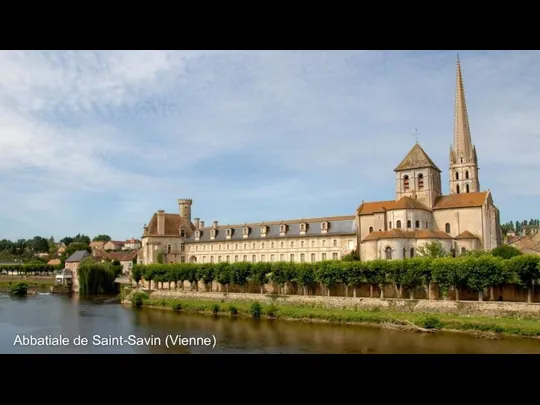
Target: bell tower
x,y
463,159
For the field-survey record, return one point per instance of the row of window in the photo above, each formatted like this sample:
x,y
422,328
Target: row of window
x,y
264,229
389,252
269,245
420,182
263,258
447,227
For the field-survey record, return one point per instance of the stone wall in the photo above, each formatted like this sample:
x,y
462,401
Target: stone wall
x,y
505,293
402,305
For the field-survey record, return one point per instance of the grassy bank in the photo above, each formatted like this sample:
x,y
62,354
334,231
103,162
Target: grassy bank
x,y
40,284
508,326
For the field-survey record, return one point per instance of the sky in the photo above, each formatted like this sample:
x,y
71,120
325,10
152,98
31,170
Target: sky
x,y
95,142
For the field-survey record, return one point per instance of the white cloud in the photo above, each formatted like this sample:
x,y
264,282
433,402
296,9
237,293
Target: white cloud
x,y
120,134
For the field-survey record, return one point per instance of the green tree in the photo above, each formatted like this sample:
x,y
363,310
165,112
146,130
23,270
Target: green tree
x,y
413,276
432,249
506,252
526,268
305,275
102,238
259,273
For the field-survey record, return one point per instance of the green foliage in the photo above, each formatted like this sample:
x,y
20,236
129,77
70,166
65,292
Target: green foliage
x,y
215,308
476,272
138,298
160,257
20,289
256,310
101,238
506,252
28,268
432,249
233,310
96,278
430,322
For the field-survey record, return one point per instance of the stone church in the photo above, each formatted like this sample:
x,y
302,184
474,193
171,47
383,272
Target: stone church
x,y
464,219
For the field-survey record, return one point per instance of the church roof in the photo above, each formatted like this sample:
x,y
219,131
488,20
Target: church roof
x,y
466,235
404,203
401,234
417,158
463,200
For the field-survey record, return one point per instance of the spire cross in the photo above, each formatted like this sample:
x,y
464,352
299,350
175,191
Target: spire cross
x,y
416,135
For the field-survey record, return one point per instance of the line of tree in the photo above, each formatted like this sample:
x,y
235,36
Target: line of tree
x,y
477,271
518,226
25,250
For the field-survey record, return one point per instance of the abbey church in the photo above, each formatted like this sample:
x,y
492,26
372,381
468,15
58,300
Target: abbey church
x,y
464,219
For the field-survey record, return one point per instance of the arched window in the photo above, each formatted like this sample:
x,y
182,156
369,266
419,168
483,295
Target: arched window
x,y
388,252
467,188
406,183
457,176
417,224
420,181
457,188
447,228
467,174
398,224
370,229
463,250
390,225
404,252
412,252
409,224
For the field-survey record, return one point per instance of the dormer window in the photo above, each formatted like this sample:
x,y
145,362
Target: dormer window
x,y
245,232
303,228
213,233
325,225
282,229
228,233
182,233
264,230
198,235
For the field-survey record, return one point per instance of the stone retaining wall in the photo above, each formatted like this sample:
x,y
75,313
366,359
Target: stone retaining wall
x,y
493,308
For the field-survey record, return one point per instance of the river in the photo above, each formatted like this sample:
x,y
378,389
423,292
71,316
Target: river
x,y
55,315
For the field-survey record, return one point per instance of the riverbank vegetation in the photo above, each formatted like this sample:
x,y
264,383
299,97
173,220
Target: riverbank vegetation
x,y
476,272
97,278
40,284
512,326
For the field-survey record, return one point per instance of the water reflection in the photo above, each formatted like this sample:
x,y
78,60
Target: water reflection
x,y
73,316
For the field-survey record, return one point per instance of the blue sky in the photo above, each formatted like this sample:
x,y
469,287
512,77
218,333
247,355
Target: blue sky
x,y
97,141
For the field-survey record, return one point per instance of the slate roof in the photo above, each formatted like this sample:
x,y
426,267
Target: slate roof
x,y
345,225
78,256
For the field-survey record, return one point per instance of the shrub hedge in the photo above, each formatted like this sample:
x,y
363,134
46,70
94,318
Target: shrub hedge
x,y
478,273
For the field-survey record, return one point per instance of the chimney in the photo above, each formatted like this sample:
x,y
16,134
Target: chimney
x,y
161,222
202,224
215,224
197,222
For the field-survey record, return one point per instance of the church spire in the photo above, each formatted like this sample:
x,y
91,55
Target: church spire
x,y
463,159
462,146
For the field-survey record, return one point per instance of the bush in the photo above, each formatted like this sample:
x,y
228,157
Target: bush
x,y
233,310
215,308
271,311
20,289
430,322
255,310
177,306
138,298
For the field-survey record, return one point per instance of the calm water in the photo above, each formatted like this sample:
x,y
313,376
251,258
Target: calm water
x,y
55,315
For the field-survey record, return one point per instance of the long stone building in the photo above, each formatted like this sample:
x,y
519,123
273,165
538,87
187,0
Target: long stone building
x,y
464,219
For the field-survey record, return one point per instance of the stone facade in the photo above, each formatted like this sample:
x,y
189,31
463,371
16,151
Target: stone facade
x,y
465,219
